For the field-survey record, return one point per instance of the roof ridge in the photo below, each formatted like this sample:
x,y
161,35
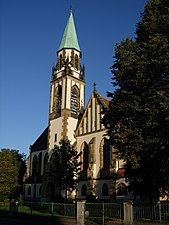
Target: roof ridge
x,y
103,100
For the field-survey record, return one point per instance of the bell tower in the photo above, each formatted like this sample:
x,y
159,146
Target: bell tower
x,y
67,93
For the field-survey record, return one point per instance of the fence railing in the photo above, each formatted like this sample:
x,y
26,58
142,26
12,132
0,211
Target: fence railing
x,y
156,212
101,212
40,208
93,211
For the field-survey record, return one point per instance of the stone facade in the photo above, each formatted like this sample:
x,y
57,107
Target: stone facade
x,y
69,118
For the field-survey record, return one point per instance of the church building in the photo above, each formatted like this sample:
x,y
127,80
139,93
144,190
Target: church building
x,y
101,174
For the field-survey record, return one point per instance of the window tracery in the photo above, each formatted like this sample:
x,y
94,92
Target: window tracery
x,y
74,100
59,100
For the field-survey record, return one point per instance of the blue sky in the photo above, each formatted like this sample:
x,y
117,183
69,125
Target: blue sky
x,y
30,35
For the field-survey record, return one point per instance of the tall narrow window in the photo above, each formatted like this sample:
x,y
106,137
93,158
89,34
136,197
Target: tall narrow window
x,y
35,165
106,154
85,156
74,100
59,100
45,162
39,163
76,62
55,138
60,61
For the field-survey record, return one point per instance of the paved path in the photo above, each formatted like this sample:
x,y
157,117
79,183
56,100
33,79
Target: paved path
x,y
29,220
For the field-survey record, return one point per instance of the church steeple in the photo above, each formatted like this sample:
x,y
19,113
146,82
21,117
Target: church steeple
x,y
67,95
69,40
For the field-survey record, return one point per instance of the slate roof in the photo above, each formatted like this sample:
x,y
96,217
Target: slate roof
x,y
103,100
41,142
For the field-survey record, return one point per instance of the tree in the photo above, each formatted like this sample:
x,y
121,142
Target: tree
x,y
137,120
20,163
12,169
65,166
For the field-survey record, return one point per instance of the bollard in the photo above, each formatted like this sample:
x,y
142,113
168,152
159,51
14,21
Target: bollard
x,y
128,213
80,212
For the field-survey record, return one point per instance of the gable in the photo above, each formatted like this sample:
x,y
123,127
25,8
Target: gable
x,y
91,118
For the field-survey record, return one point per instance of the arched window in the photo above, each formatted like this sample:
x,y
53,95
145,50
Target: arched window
x,y
105,190
107,153
85,156
39,163
74,100
92,150
29,190
102,153
121,189
45,162
76,62
60,61
34,165
59,100
83,190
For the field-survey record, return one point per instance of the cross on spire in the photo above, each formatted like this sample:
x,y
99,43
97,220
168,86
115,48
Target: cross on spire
x,y
94,85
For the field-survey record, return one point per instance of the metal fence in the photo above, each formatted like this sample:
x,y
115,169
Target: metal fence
x,y
40,208
102,212
53,209
99,213
158,212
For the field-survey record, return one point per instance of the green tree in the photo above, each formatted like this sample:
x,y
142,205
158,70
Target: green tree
x,y
8,174
65,166
20,163
12,169
138,116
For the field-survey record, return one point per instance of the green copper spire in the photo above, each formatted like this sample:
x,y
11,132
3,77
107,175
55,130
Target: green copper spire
x,y
69,39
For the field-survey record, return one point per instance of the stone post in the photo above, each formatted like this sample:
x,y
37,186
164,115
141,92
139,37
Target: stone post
x,y
128,213
80,212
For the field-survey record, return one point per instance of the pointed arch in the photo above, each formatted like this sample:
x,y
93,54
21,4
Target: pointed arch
x,y
85,156
76,62
34,165
105,153
92,150
60,61
101,153
39,163
45,162
59,99
75,93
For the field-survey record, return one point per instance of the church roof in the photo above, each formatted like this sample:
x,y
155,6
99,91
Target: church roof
x,y
69,39
104,101
41,142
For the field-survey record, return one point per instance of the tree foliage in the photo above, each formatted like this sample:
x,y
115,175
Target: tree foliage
x,y
12,169
138,115
65,165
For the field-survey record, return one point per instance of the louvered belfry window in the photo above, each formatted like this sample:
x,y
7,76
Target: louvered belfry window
x,y
59,100
74,101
